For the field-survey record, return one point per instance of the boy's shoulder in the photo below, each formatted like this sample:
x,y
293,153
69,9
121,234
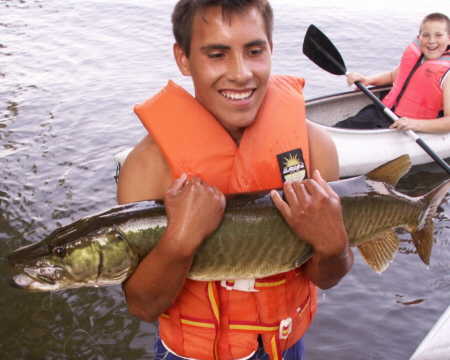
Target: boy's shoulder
x,y
145,173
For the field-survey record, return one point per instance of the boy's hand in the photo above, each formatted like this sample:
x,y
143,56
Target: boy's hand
x,y
353,77
313,211
194,210
405,123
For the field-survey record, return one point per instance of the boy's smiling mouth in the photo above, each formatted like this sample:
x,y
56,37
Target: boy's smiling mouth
x,y
237,95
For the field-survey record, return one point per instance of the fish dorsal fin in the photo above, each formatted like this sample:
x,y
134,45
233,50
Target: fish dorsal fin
x,y
392,171
380,250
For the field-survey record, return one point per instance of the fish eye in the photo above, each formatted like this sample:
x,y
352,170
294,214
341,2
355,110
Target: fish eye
x,y
119,235
59,251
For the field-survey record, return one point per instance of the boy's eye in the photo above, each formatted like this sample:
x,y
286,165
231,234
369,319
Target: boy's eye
x,y
256,51
215,55
427,36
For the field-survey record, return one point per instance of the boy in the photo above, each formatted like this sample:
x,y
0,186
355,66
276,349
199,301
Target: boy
x,y
420,94
227,140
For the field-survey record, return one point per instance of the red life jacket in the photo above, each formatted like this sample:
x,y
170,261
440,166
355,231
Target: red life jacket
x,y
422,97
211,320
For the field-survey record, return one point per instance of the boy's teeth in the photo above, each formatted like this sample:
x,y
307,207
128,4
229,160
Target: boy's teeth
x,y
236,95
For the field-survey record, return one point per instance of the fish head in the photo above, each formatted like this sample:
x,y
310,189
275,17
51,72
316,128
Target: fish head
x,y
51,265
92,251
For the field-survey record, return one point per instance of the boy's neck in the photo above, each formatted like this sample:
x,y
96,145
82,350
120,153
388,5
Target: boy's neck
x,y
236,134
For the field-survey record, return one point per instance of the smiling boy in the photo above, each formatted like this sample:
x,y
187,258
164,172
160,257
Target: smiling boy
x,y
213,61
420,93
236,135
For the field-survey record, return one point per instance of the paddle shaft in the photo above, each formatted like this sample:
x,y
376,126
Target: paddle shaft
x,y
410,133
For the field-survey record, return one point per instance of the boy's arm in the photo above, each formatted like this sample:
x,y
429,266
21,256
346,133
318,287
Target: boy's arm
x,y
385,78
193,209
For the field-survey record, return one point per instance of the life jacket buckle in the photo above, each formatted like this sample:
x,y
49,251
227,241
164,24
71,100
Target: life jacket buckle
x,y
285,328
240,285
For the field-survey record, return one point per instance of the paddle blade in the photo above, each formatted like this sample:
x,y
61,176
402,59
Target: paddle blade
x,y
321,51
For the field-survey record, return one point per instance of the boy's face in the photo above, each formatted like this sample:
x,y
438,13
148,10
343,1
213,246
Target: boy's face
x,y
434,39
230,64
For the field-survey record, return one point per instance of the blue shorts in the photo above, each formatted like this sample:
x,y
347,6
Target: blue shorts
x,y
293,353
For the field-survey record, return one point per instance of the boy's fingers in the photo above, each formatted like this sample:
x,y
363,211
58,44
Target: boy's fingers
x,y
289,193
178,184
280,203
323,184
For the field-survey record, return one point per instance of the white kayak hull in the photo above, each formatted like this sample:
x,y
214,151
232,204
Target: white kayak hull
x,y
436,345
360,151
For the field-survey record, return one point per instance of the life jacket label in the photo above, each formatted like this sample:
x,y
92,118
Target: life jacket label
x,y
292,165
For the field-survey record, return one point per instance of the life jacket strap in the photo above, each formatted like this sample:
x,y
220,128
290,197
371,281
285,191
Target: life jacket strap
x,y
283,327
251,285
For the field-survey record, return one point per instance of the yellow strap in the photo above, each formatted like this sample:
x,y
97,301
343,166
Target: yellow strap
x,y
198,323
260,328
275,352
213,300
209,325
269,283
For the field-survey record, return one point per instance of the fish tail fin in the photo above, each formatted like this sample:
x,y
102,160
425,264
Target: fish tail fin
x,y
423,235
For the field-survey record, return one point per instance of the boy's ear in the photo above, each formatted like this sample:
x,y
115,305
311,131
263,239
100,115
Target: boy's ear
x,y
181,59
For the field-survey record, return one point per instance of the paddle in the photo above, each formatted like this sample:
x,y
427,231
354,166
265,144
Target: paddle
x,y
321,51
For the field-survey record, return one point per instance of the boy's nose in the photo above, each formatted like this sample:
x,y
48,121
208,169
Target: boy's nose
x,y
239,71
433,38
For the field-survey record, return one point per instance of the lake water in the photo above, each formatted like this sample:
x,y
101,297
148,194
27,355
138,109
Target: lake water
x,y
70,73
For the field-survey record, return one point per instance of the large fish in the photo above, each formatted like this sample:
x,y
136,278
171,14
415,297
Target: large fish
x,y
252,241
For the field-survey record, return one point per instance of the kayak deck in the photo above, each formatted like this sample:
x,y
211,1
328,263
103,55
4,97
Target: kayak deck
x,y
360,151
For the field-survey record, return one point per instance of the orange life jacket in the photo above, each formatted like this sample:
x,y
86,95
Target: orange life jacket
x,y
422,97
213,320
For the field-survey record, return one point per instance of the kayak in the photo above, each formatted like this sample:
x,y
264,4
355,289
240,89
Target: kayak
x,y
360,151
436,344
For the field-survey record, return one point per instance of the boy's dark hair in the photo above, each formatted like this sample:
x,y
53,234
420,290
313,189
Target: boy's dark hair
x,y
185,10
436,17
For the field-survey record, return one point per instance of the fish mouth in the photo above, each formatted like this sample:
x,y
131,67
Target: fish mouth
x,y
27,268
13,283
31,280
45,273
21,281
31,277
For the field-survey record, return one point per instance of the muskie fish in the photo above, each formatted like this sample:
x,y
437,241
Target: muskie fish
x,y
252,241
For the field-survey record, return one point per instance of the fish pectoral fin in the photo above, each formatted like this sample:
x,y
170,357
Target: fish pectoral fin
x,y
423,241
380,250
392,171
